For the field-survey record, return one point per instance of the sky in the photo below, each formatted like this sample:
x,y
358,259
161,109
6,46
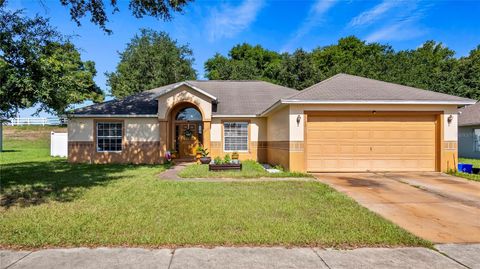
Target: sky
x,y
209,27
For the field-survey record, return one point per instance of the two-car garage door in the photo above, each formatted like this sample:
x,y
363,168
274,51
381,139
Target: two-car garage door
x,y
337,142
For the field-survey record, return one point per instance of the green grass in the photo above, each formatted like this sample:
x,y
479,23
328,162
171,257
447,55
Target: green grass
x,y
250,169
475,162
47,202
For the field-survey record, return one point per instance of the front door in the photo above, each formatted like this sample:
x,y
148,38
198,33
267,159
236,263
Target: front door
x,y
186,139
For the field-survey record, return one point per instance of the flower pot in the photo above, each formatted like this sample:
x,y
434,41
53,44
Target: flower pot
x,y
205,160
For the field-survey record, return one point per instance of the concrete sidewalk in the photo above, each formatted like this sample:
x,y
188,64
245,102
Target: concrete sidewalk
x,y
451,256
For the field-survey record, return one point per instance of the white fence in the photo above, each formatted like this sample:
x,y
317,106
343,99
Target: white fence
x,y
37,121
58,144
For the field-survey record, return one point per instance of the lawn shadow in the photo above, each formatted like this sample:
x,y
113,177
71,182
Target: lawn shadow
x,y
33,183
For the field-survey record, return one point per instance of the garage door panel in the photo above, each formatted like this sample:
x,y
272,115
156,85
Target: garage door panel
x,y
365,143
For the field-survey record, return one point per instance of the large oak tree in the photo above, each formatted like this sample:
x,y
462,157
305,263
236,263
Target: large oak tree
x,y
151,59
38,66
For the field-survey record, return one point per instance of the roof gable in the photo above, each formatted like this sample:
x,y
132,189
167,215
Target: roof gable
x,y
173,87
469,115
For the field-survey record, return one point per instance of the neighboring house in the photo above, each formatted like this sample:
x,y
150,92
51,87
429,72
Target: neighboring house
x,y
344,123
469,131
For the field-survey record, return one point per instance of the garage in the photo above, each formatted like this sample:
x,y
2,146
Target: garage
x,y
371,141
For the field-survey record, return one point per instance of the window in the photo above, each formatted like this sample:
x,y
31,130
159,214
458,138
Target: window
x,y
235,136
476,140
109,136
189,113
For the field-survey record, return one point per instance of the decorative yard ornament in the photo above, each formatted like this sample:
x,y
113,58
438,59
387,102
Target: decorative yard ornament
x,y
188,133
168,156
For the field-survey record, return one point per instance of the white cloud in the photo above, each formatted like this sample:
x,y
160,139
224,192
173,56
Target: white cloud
x,y
371,15
398,31
228,21
314,18
403,26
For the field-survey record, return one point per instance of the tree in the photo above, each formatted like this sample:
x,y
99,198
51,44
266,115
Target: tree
x,y
37,66
432,66
468,74
161,9
150,60
244,62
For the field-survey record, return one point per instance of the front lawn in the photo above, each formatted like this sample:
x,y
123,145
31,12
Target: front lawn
x,y
47,202
250,169
475,162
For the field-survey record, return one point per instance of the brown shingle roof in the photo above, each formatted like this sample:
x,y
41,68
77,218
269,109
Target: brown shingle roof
x,y
235,97
343,87
469,115
247,97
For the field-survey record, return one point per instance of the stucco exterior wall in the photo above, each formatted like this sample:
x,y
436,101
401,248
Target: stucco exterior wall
x,y
142,129
278,125
278,138
140,141
184,94
466,142
80,129
257,135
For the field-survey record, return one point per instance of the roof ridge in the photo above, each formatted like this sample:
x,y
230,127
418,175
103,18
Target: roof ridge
x,y
403,85
311,87
227,80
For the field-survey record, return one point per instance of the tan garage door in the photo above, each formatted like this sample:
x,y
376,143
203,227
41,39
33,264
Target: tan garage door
x,y
371,142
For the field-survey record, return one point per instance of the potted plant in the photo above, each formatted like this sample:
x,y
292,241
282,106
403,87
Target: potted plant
x,y
224,164
173,154
235,157
198,153
205,159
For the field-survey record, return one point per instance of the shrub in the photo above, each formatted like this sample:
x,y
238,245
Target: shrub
x,y
217,160
227,158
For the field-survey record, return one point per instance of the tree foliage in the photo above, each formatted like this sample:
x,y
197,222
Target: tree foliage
x,y
161,9
152,59
432,66
37,66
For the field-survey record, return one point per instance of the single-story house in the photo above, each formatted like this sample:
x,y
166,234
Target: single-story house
x,y
469,131
344,123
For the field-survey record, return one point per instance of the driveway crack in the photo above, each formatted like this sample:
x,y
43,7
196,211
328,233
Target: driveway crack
x,y
13,263
320,257
453,259
171,258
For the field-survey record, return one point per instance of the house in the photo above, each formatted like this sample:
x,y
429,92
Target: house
x,y
344,123
469,131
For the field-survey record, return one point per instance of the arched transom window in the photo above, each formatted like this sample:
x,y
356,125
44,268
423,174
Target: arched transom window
x,y
189,113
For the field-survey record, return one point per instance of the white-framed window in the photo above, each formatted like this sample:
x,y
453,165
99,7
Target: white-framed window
x,y
235,136
109,136
476,140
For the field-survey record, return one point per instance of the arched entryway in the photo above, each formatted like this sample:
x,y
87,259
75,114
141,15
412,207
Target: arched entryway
x,y
187,130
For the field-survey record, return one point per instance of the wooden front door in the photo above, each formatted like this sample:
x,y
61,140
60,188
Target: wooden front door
x,y
187,139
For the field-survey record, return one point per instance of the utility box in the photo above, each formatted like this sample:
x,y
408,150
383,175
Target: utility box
x,y
58,144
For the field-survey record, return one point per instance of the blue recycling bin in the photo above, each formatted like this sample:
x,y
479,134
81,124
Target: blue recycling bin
x,y
465,168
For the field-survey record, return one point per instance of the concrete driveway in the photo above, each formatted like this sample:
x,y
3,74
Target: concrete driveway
x,y
434,206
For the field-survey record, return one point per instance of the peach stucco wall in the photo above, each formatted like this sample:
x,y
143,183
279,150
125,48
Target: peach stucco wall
x,y
136,129
184,94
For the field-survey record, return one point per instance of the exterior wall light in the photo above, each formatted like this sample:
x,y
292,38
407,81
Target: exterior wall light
x,y
450,119
299,118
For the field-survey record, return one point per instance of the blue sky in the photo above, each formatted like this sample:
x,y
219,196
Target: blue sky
x,y
215,26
